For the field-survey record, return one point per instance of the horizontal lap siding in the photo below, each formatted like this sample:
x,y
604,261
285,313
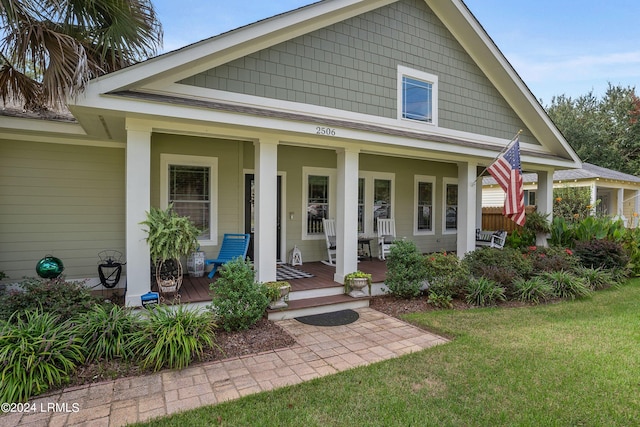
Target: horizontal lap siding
x,y
64,200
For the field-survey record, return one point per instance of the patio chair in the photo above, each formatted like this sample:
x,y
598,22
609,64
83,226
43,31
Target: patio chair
x,y
492,239
233,246
386,236
329,226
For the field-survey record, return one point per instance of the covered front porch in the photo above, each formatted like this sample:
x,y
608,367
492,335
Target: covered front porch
x,y
310,295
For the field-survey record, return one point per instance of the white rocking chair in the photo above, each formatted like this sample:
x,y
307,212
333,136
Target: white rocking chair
x,y
329,226
386,236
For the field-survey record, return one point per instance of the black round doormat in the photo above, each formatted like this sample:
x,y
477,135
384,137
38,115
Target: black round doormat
x,y
337,318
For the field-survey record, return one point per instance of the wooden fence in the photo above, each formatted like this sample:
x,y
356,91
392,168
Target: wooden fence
x,y
492,219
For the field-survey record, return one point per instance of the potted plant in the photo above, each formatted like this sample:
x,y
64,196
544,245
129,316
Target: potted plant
x,y
170,237
538,224
278,294
356,281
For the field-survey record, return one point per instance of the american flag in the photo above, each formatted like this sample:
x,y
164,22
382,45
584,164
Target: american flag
x,y
507,171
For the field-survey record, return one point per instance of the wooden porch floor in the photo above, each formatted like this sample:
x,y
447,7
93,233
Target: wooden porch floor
x,y
196,289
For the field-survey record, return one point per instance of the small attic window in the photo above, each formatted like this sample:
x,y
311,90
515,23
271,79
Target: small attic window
x,y
417,96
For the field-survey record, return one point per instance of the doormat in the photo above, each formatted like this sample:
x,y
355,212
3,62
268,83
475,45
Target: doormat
x,y
287,272
337,318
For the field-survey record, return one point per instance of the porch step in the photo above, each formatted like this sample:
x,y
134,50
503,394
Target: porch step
x,y
318,305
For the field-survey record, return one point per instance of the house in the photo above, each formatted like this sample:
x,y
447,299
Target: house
x,y
612,193
346,109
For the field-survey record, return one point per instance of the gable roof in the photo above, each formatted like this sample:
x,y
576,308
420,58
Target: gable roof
x,y
587,172
153,81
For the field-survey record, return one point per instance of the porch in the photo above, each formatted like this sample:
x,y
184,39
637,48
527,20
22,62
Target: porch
x,y
309,295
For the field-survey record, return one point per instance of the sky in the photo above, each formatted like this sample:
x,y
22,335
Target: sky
x,y
558,47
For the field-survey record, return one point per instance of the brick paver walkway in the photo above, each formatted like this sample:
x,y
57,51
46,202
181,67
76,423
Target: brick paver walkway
x,y
319,351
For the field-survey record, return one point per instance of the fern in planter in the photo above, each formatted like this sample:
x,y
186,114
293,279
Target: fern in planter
x,y
170,237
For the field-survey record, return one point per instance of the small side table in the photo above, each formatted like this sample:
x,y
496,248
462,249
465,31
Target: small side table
x,y
362,241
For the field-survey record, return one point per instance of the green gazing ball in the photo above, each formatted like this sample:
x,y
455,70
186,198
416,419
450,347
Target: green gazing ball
x,y
49,267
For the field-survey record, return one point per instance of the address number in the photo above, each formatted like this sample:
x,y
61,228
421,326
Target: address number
x,y
325,131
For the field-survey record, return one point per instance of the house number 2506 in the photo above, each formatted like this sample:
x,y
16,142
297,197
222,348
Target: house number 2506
x,y
325,131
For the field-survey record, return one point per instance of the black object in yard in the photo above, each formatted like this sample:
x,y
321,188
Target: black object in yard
x,y
110,268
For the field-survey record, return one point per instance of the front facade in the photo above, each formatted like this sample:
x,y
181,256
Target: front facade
x,y
344,109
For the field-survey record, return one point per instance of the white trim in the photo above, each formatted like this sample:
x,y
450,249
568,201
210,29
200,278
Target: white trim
x,y
422,76
446,181
333,178
167,159
431,180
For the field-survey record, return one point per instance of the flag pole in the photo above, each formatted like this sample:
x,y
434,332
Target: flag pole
x,y
496,157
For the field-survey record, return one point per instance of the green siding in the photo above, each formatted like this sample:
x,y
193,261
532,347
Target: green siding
x,y
352,66
230,195
58,199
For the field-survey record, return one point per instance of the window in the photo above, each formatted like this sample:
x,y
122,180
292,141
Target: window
x,y
318,200
189,182
529,198
450,206
375,200
417,96
424,198
317,203
381,201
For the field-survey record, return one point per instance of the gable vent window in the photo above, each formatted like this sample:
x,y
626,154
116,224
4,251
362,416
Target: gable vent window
x,y
417,96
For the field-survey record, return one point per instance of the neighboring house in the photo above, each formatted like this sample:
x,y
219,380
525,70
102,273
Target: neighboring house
x,y
345,109
612,193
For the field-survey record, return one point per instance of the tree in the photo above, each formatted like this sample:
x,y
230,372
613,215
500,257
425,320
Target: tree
x,y
602,131
50,49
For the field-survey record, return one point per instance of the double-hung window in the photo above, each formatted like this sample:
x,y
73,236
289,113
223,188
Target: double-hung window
x,y
318,199
450,205
189,183
417,96
424,197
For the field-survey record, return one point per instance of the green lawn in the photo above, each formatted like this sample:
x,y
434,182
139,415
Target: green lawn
x,y
574,363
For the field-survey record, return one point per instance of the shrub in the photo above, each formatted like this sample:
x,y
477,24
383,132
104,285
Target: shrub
x,y
572,203
631,244
37,351
566,285
56,296
446,274
483,292
239,302
596,278
532,290
440,300
503,276
106,332
506,258
601,253
173,337
551,259
406,270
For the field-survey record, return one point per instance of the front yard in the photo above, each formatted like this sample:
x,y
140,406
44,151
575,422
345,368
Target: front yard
x,y
564,363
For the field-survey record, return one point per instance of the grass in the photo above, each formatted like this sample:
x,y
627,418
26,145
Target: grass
x,y
573,363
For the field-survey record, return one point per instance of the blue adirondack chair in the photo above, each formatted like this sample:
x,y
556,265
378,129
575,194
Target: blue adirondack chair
x,y
233,246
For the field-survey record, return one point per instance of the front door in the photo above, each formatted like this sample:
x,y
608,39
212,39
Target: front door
x,y
249,213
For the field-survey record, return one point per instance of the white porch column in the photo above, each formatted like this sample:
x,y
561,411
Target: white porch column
x,y
636,209
467,206
620,203
478,203
347,214
138,202
544,196
594,198
266,176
